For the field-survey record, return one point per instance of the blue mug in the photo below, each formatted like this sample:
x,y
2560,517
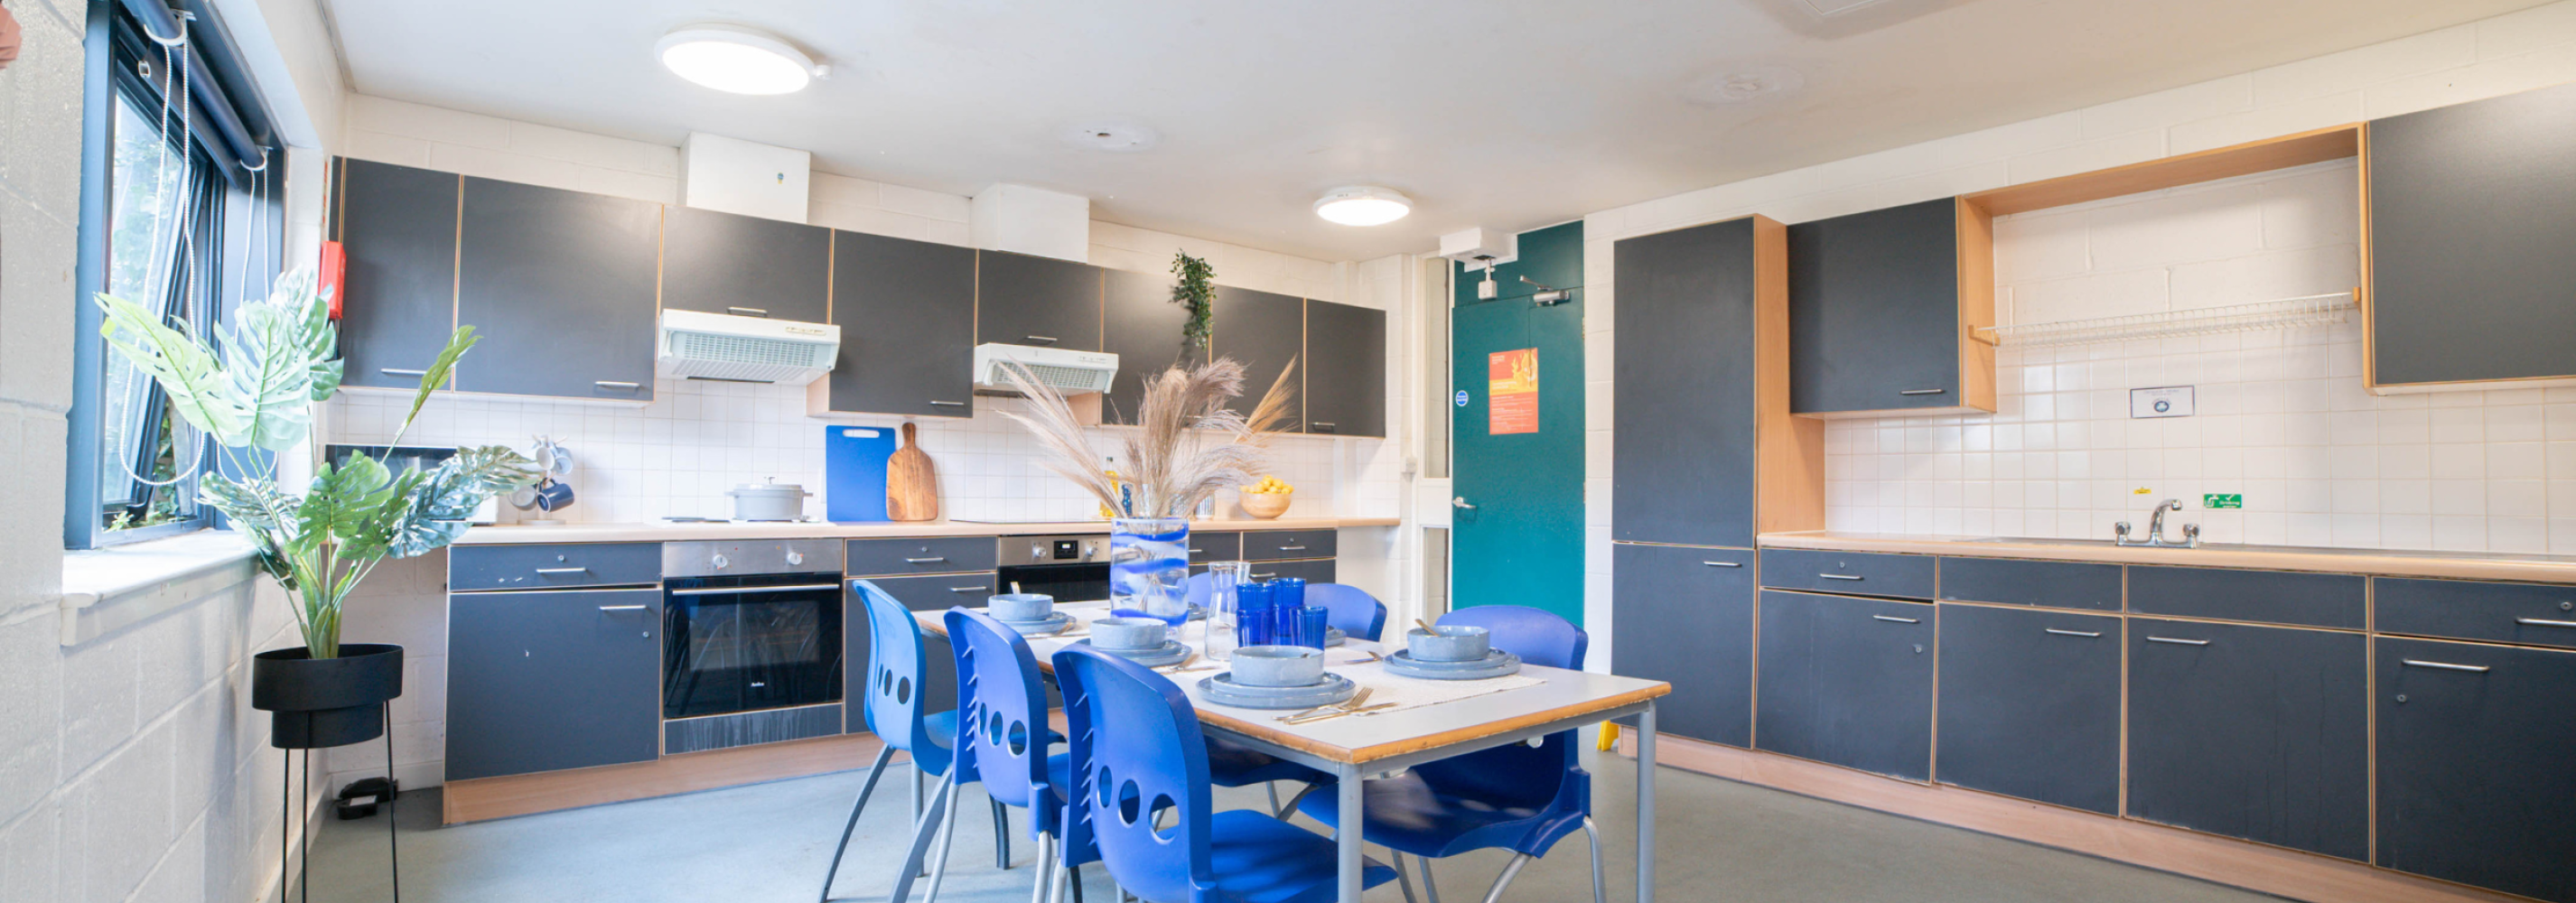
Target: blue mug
x,y
552,496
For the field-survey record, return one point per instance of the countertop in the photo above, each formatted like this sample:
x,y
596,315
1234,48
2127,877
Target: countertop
x,y
670,532
2389,562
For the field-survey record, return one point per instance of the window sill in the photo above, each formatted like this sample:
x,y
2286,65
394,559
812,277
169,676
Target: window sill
x,y
119,586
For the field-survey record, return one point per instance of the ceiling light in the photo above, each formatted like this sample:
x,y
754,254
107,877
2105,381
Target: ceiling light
x,y
736,59
1363,205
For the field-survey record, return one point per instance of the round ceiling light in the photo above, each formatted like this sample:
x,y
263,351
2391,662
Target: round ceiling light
x,y
1363,205
736,59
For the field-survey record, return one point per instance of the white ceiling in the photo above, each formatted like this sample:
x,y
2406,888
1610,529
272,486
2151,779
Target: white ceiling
x,y
1507,114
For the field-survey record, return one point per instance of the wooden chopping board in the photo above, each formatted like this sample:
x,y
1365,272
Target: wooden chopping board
x,y
912,487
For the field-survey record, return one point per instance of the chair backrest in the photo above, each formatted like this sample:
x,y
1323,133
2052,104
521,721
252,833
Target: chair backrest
x,y
1001,714
896,664
1136,751
1197,588
1549,775
1352,609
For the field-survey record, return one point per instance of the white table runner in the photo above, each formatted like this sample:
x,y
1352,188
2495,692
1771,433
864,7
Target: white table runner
x,y
1352,660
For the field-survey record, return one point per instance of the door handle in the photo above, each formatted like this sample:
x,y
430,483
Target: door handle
x,y
1292,548
1041,339
1922,391
1723,564
396,371
2087,634
969,589
925,560
616,384
2445,666
622,608
747,311
1461,503
563,570
2178,641
1897,620
1840,576
2544,622
948,404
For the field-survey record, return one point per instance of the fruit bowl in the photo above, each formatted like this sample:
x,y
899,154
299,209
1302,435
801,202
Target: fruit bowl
x,y
1265,505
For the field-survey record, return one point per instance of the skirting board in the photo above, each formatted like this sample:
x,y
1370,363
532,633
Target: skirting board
x,y
2252,866
523,794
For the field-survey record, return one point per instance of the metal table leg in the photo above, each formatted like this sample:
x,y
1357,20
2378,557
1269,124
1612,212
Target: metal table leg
x,y
1349,835
1646,805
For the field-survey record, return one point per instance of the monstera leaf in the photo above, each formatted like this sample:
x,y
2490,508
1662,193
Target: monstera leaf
x,y
439,504
186,371
346,500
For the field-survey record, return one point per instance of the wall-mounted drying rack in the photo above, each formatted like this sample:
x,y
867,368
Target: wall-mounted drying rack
x,y
2284,313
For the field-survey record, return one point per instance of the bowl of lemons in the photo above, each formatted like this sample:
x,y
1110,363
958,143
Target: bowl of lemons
x,y
1267,499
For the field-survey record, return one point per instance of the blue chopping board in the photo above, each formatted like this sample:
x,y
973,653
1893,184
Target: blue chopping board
x,y
854,472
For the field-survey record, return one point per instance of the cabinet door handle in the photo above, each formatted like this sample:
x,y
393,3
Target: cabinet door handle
x,y
747,311
1897,620
1320,425
2544,622
616,384
1723,564
622,607
396,371
1263,576
948,404
1840,576
1292,548
563,570
2087,634
969,589
925,560
1042,339
2176,641
1922,391
2445,666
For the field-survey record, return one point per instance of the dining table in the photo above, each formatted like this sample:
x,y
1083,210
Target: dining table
x,y
1356,747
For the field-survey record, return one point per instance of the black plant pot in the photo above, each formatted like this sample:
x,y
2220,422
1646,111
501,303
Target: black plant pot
x,y
315,703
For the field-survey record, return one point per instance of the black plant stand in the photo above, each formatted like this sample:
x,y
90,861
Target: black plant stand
x,y
320,703
286,816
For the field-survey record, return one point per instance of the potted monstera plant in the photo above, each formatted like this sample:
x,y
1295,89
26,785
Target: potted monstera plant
x,y
253,391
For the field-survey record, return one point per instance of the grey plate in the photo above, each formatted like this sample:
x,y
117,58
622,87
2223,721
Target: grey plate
x,y
1054,624
1222,689
1495,664
1333,636
1172,653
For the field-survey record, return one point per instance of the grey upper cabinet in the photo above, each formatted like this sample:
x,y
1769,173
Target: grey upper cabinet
x,y
727,263
398,294
1027,300
1846,681
2030,704
907,315
2471,210
1879,312
1345,368
559,285
1264,332
1142,326
2252,732
1684,400
2474,746
1685,617
549,680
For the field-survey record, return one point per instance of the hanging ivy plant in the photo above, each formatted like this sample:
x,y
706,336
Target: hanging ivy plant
x,y
1196,290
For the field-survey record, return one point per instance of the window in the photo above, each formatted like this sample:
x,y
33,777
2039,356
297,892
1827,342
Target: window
x,y
162,207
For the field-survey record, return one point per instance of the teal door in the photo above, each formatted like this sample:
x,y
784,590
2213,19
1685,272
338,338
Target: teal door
x,y
1516,462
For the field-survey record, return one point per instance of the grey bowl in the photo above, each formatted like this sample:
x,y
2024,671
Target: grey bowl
x,y
1022,607
1278,666
1129,633
1448,643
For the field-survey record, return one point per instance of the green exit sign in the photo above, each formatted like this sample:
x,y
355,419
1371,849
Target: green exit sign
x,y
2222,500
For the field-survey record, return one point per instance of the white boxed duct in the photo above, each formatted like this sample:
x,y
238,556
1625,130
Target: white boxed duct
x,y
745,177
696,345
1025,220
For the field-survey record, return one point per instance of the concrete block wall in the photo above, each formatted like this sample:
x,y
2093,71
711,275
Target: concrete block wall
x,y
2519,51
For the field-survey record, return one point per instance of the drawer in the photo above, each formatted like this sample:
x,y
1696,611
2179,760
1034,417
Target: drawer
x,y
2273,597
1857,573
1310,571
1207,547
938,555
2048,584
938,592
550,566
2540,614
1277,545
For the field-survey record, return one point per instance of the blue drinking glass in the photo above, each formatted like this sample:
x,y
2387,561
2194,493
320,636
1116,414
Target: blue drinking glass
x,y
1253,618
1310,625
1287,595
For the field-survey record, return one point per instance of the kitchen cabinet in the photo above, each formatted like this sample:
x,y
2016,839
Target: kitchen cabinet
x,y
2474,745
398,294
1345,370
1312,571
728,263
907,315
1281,545
2470,210
1856,573
930,593
2030,704
1882,306
1022,299
2252,732
1206,546
1846,681
569,565
1264,332
1683,404
2536,614
2279,597
1685,617
560,286
552,679
2051,584
1142,326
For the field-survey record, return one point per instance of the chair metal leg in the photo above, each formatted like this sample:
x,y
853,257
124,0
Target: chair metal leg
x,y
916,805
1073,876
1293,800
1430,889
947,841
1510,871
923,829
1403,880
1001,836
1045,869
874,771
1591,832
1272,788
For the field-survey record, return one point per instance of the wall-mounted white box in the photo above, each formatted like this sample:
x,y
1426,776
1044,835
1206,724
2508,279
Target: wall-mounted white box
x,y
745,177
1026,220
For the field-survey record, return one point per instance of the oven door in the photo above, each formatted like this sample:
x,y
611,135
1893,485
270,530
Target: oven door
x,y
740,644
1066,582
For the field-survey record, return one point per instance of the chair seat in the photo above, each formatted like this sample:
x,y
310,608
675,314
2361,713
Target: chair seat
x,y
1232,764
1406,814
1260,859
938,732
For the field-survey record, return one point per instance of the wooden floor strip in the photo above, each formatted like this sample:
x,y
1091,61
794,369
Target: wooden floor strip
x,y
482,798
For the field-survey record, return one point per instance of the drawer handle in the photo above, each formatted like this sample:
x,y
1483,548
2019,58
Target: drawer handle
x,y
563,570
2445,666
2087,634
747,590
1320,424
1047,339
925,560
970,589
395,371
1840,576
1292,548
1922,391
1723,564
1197,551
622,608
2176,641
948,404
2544,622
1263,576
747,311
616,384
1897,620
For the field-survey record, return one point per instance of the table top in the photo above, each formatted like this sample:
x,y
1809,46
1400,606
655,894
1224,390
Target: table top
x,y
1561,695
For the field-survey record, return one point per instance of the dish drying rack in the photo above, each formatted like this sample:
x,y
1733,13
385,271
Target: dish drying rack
x,y
2285,313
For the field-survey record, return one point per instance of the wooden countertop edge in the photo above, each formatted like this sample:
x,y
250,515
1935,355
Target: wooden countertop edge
x,y
579,533
2356,562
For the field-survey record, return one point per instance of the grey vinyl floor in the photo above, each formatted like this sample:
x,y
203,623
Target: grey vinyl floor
x,y
1719,841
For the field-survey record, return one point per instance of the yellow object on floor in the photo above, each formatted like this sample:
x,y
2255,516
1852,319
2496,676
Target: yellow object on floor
x,y
1609,736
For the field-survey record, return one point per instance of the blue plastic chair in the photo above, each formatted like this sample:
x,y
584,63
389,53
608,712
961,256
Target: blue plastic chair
x,y
1233,764
1514,797
892,706
1137,749
1001,741
1353,610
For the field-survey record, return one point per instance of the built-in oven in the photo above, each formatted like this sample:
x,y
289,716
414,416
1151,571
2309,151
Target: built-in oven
x,y
1070,568
752,642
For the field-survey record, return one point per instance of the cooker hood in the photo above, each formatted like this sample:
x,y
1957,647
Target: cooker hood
x,y
697,345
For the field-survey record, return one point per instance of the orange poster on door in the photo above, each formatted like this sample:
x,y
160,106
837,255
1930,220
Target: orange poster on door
x,y
1511,391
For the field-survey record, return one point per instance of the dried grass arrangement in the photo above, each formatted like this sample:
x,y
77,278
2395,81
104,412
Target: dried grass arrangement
x,y
1187,445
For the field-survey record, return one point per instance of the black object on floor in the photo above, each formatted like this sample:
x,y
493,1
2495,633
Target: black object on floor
x,y
359,798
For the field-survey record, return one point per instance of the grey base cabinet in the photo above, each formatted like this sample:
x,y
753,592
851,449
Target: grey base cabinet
x,y
2252,732
1685,617
1315,571
2030,705
2475,776
1846,681
549,680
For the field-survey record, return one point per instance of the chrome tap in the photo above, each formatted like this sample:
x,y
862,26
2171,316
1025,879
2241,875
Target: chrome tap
x,y
2156,530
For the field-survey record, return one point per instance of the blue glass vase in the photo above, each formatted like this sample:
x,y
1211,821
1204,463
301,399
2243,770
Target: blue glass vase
x,y
1149,568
